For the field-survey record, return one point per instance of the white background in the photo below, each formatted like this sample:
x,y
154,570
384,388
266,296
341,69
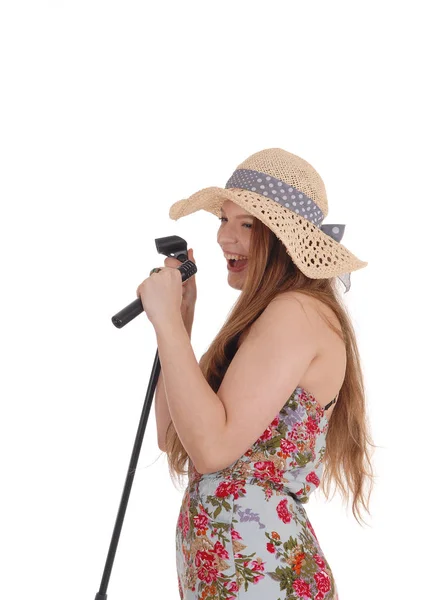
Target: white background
x,y
112,111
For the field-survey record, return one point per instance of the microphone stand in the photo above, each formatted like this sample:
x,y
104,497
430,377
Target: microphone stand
x,y
176,247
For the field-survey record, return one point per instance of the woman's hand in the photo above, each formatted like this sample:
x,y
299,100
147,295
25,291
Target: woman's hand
x,y
189,292
164,294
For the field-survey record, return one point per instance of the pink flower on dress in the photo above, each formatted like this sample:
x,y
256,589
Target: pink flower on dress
x,y
319,561
183,523
313,478
226,488
311,426
301,588
220,550
310,527
201,521
266,435
287,447
205,568
232,587
283,512
257,565
235,535
265,469
323,582
292,435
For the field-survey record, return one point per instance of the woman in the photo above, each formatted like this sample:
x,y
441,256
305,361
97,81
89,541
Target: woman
x,y
286,368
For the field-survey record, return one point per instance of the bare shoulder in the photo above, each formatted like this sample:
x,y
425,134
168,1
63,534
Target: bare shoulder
x,y
316,309
326,373
290,301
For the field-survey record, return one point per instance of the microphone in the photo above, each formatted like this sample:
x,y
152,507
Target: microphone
x,y
132,310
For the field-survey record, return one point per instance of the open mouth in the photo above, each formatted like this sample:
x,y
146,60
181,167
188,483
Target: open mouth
x,y
236,265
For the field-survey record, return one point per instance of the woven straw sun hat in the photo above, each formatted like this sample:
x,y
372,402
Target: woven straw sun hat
x,y
288,195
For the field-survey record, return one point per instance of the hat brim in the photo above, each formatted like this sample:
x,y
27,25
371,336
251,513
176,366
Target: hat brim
x,y
314,252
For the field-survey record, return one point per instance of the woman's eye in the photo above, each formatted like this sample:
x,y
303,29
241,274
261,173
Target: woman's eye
x,y
225,219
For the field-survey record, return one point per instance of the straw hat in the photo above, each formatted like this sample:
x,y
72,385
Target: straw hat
x,y
288,195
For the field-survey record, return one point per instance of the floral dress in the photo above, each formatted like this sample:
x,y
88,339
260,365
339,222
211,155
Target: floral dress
x,y
243,533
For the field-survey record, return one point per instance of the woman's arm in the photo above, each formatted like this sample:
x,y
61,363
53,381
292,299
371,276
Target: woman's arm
x,y
163,417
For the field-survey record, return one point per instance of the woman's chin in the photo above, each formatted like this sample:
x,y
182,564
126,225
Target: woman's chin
x,y
236,280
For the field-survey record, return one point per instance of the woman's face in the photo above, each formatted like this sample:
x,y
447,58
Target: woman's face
x,y
234,238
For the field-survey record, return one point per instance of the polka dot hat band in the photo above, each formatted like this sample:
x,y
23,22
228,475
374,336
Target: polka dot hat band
x,y
288,195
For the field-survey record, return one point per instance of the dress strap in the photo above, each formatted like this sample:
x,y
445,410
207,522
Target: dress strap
x,y
332,402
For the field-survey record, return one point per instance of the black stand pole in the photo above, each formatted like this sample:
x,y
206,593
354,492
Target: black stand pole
x,y
102,595
176,247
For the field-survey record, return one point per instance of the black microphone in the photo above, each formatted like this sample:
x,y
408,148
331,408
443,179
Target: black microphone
x,y
132,310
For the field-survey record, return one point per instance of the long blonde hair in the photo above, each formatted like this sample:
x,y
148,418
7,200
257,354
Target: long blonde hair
x,y
346,460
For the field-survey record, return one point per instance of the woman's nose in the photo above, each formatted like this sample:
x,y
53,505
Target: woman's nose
x,y
228,237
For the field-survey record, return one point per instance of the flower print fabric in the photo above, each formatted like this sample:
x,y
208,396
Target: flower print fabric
x,y
243,532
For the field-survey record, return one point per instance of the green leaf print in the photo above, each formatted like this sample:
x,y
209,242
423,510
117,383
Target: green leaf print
x,y
226,505
301,459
